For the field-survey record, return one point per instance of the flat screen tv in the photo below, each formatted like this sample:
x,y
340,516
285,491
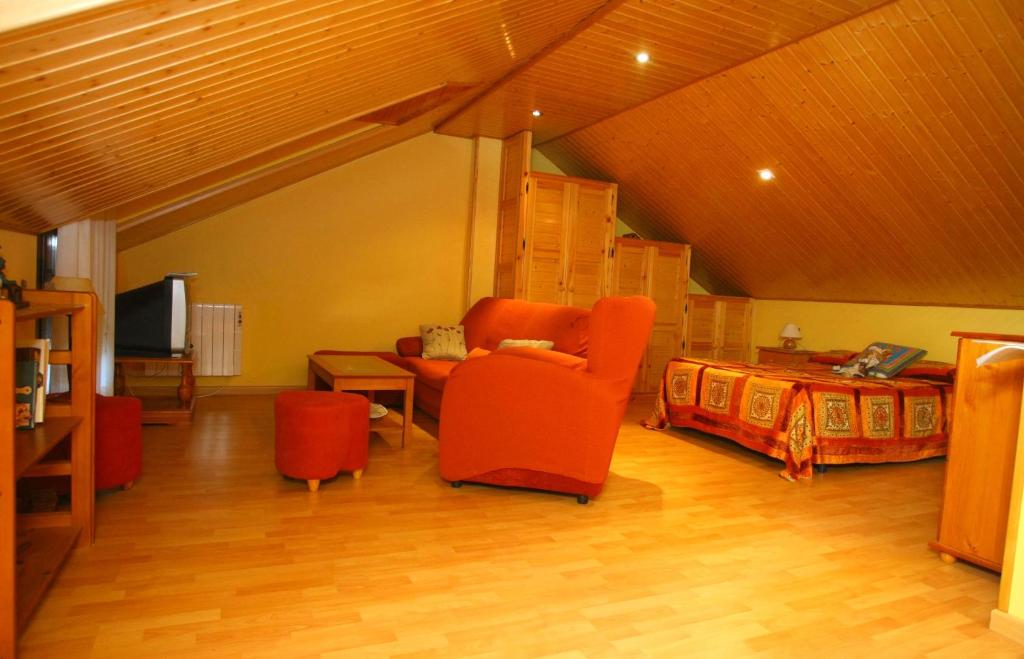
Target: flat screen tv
x,y
152,321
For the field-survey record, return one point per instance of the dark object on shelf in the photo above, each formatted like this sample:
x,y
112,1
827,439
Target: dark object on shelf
x,y
9,289
26,382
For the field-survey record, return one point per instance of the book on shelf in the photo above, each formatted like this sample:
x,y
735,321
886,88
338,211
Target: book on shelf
x,y
43,371
26,383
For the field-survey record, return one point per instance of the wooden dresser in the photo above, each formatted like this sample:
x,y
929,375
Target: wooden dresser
x,y
982,447
776,355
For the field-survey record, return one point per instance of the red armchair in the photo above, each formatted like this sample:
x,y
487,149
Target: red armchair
x,y
545,420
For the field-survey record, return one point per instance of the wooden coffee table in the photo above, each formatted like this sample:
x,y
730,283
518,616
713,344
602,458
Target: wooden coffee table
x,y
364,373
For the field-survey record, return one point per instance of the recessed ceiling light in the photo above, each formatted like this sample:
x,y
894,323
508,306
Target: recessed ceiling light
x,y
536,113
643,57
766,174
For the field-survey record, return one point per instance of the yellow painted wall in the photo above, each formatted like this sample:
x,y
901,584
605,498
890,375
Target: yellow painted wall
x,y
19,249
350,259
827,325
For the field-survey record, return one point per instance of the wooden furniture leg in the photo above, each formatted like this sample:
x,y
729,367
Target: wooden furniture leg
x,y
357,474
118,379
310,378
187,386
407,414
313,484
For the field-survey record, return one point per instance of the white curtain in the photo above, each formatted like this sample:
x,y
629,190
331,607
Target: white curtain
x,y
89,249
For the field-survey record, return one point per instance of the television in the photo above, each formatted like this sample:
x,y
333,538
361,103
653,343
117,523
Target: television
x,y
152,320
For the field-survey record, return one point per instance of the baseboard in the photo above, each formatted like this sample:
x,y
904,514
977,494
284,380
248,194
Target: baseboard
x,y
1006,625
256,390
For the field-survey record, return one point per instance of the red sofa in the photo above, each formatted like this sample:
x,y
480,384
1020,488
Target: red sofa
x,y
540,419
490,321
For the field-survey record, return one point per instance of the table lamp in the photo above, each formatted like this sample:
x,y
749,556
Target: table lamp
x,y
789,335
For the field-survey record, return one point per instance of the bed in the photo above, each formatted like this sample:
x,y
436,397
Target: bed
x,y
807,415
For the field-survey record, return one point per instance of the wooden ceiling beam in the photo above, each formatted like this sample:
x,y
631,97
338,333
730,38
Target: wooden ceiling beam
x,y
607,8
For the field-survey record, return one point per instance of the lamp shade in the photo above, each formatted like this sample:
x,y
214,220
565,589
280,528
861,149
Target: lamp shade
x,y
790,331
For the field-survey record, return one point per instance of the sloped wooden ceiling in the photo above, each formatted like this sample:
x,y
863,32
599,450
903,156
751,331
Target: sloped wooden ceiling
x,y
897,140
595,74
158,112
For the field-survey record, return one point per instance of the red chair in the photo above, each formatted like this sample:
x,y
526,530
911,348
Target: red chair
x,y
319,433
545,420
118,448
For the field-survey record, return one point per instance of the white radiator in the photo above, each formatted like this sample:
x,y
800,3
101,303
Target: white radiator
x,y
216,335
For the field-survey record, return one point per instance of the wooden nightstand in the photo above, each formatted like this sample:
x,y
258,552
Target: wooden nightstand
x,y
775,355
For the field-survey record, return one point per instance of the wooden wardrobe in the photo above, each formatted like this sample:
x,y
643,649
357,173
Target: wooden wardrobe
x,y
555,233
564,242
718,327
660,271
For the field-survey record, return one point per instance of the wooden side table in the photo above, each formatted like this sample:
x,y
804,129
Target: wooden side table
x,y
367,373
162,409
775,355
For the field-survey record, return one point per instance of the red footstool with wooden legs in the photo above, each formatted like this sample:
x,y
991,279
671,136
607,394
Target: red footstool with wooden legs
x,y
118,441
319,433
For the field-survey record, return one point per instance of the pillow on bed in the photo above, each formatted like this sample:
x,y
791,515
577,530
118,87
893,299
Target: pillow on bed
x,y
932,370
881,360
833,358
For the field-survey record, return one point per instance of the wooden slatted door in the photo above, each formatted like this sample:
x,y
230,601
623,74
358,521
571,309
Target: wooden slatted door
x,y
660,271
718,327
629,277
735,329
592,236
668,281
548,218
701,327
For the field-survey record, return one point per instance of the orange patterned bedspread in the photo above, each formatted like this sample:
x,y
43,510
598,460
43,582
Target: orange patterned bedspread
x,y
806,416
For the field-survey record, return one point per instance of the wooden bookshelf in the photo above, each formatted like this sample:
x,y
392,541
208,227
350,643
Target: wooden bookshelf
x,y
41,552
34,546
31,446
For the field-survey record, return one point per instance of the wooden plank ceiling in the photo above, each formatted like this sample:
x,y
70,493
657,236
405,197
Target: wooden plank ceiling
x,y
897,140
894,127
144,111
595,74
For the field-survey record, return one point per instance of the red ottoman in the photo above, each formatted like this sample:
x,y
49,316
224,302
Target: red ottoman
x,y
118,441
319,433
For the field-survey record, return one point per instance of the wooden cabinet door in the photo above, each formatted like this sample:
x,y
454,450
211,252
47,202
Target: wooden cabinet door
x,y
592,230
629,277
547,226
629,269
701,327
734,331
669,275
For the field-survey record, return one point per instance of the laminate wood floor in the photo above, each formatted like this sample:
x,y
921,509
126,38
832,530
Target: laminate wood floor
x,y
696,548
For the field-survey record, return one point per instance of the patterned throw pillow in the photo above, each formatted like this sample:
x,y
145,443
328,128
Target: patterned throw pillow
x,y
443,342
539,344
881,360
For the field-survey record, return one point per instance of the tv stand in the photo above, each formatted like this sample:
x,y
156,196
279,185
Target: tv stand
x,y
161,409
